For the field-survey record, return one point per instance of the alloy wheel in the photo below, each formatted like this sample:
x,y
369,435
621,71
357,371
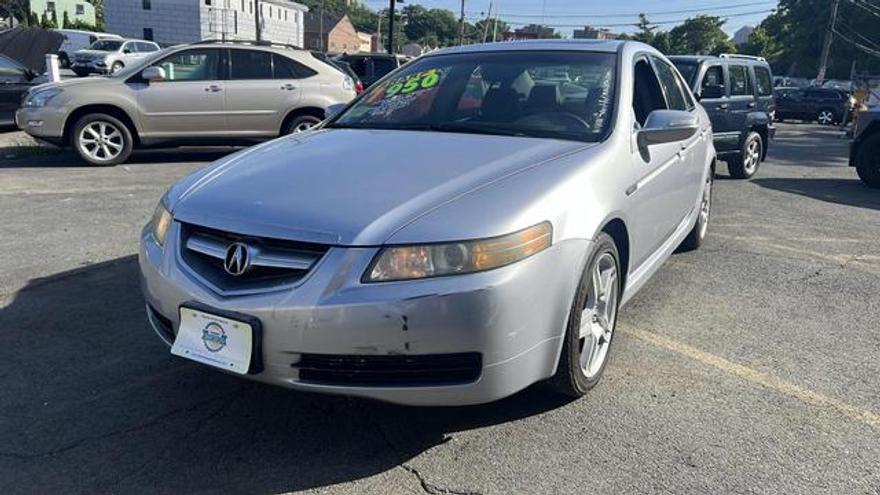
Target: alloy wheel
x,y
101,140
752,157
304,126
599,315
826,117
706,206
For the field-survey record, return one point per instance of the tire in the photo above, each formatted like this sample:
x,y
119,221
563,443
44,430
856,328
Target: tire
x,y
80,72
573,376
698,234
746,163
113,149
63,60
300,123
826,116
116,67
868,162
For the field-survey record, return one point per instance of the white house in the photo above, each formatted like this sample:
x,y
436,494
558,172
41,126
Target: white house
x,y
171,22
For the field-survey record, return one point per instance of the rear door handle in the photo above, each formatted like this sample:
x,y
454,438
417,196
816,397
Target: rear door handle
x,y
288,87
213,89
723,106
751,105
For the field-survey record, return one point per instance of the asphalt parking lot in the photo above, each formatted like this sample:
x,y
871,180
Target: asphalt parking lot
x,y
750,366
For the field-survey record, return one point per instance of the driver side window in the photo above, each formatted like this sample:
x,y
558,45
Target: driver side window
x,y
192,65
648,95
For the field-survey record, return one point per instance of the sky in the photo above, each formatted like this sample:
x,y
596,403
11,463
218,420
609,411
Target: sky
x,y
612,14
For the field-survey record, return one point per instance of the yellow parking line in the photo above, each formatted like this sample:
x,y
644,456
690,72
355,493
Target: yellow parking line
x,y
866,416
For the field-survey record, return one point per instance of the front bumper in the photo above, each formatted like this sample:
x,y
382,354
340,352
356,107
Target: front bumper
x,y
514,317
46,123
92,67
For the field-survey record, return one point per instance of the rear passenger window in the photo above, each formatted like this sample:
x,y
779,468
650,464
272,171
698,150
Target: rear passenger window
x,y
674,96
286,68
714,76
251,64
763,81
739,81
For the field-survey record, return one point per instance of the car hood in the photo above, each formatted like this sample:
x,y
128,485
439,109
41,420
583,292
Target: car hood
x,y
80,81
350,187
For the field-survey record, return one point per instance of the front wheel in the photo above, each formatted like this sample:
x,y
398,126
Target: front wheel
x,y
746,163
301,123
102,140
118,66
63,61
868,161
591,322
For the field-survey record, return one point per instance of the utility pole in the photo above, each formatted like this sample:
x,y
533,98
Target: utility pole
x,y
461,32
378,30
321,28
495,27
826,48
488,20
391,29
259,36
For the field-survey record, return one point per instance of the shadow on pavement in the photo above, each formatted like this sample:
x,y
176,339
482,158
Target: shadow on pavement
x,y
93,402
840,191
67,158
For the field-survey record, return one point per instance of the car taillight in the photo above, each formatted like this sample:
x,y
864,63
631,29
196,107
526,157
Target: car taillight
x,y
359,87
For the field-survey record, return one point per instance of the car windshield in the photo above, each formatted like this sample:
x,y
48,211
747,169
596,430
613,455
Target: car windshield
x,y
688,70
106,45
563,95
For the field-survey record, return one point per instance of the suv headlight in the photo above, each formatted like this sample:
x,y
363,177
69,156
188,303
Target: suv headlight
x,y
38,99
456,258
161,223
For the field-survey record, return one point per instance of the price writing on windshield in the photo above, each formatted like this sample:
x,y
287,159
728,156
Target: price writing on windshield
x,y
414,83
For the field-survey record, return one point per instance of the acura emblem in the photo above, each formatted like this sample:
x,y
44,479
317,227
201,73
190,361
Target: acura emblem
x,y
237,260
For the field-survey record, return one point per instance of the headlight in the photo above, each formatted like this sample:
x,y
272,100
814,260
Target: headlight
x,y
39,98
455,258
161,223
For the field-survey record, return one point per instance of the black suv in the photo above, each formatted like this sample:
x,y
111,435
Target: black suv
x,y
737,93
823,105
15,81
865,152
370,67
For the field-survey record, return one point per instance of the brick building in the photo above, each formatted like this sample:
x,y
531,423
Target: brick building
x,y
332,34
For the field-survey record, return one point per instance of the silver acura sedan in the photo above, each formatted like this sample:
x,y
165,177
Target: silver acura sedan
x,y
469,226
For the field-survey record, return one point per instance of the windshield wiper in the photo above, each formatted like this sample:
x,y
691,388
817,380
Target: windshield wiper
x,y
478,128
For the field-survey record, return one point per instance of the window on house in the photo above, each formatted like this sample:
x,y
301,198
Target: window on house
x,y
285,15
79,9
208,2
147,4
148,34
251,7
242,5
50,6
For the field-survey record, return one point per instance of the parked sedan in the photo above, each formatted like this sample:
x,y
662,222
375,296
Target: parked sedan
x,y
826,106
107,56
15,81
422,251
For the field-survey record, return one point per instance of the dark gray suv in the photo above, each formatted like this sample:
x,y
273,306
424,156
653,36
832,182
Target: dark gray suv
x,y
737,92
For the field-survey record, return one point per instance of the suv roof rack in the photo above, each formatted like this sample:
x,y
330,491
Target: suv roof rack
x,y
247,42
743,57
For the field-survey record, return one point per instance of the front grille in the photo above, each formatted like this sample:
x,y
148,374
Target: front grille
x,y
390,371
274,263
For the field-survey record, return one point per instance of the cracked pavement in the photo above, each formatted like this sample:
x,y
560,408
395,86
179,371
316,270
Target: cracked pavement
x,y
750,366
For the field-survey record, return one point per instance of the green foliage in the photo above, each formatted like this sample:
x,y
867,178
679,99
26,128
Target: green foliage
x,y
701,35
434,27
762,44
99,16
797,31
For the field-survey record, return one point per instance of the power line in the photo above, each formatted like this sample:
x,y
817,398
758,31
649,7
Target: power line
x,y
851,30
862,47
866,6
630,24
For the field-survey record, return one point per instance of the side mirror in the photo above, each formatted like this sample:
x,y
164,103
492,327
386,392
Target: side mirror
x,y
712,91
334,110
667,126
127,50
153,74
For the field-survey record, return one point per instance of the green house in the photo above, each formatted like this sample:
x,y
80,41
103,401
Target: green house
x,y
77,10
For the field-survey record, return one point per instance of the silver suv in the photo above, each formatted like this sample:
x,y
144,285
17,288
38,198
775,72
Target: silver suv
x,y
204,93
110,55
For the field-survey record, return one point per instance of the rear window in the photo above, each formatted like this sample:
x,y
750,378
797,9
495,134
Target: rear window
x,y
763,81
688,70
286,68
251,64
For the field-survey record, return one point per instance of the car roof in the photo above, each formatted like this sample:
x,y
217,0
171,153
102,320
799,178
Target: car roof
x,y
698,59
604,46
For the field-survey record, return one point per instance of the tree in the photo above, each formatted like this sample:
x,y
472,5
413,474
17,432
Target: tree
x,y
701,35
65,23
488,26
19,9
99,14
646,30
434,27
762,44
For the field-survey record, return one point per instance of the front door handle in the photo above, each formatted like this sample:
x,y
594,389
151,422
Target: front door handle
x,y
723,106
288,87
751,104
213,89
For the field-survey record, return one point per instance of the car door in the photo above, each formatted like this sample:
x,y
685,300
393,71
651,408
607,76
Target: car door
x,y
14,81
256,103
687,176
656,191
190,102
129,53
742,100
764,87
725,134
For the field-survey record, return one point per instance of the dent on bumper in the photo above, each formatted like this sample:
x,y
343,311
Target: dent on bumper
x,y
514,316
